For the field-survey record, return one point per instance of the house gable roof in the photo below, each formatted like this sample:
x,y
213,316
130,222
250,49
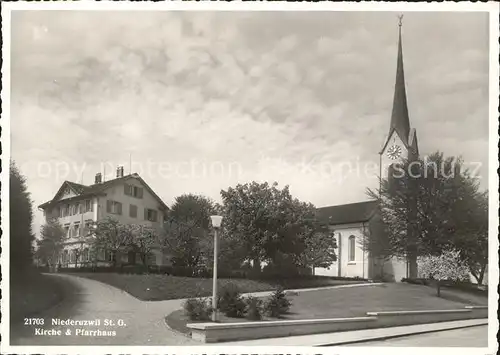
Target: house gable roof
x,y
96,189
348,213
74,187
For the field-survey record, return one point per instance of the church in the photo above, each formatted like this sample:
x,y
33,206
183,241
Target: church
x,y
349,222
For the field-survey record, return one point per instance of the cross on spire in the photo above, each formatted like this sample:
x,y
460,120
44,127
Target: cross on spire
x,y
400,17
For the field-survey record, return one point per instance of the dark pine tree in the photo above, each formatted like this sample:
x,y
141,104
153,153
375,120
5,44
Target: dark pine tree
x,y
21,217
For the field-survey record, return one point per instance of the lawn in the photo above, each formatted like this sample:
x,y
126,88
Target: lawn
x,y
154,287
31,293
356,301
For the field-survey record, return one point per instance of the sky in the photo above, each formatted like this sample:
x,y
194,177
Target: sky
x,y
200,101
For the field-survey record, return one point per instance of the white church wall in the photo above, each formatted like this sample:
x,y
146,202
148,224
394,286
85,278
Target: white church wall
x,y
359,266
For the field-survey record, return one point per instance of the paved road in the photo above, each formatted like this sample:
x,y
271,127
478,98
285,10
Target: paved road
x,y
465,337
86,299
91,300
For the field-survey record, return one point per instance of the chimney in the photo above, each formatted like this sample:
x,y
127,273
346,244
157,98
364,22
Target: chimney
x,y
98,178
119,172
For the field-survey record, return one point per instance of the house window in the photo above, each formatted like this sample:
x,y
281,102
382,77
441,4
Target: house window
x,y
76,228
88,206
60,211
73,256
66,210
101,255
150,215
85,255
66,230
133,211
113,207
352,248
65,257
134,191
88,225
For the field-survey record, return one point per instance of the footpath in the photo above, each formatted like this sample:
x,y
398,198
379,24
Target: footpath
x,y
144,323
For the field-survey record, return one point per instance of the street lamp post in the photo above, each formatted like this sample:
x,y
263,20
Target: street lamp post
x,y
216,223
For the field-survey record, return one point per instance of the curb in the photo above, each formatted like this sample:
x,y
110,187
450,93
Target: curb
x,y
300,290
174,330
386,337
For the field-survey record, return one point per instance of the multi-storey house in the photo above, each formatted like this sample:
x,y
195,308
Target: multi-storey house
x,y
127,199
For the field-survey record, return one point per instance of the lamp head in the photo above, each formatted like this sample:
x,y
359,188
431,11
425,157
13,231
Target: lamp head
x,y
216,221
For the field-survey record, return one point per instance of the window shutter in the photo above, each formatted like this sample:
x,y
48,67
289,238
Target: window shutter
x,y
108,206
127,189
140,192
119,209
133,211
91,206
146,214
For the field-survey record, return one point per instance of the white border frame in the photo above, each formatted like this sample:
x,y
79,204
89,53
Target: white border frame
x,y
491,7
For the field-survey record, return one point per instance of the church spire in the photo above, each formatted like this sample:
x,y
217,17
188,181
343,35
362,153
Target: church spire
x,y
400,121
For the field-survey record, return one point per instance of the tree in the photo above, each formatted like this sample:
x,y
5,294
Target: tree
x,y
319,250
376,241
50,245
186,231
266,221
448,266
143,240
21,218
471,232
110,235
424,205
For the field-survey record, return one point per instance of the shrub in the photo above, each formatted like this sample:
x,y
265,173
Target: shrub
x,y
198,309
230,301
277,304
253,308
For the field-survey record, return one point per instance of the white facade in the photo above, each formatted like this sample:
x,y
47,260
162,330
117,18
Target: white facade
x,y
118,200
352,260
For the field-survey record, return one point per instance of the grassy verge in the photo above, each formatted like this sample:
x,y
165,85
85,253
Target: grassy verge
x,y
355,302
32,293
154,287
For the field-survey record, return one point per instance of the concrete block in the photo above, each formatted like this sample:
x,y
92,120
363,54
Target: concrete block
x,y
220,332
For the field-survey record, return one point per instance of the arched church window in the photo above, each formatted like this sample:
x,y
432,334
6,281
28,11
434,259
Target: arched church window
x,y
352,248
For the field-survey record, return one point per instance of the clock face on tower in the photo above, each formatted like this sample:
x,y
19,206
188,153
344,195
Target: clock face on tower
x,y
394,152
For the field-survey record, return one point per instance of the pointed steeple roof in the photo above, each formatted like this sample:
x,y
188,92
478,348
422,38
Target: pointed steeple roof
x,y
400,120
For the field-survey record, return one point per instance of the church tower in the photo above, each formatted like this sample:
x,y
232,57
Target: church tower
x,y
401,143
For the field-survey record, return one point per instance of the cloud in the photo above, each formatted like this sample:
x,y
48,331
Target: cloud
x,y
254,95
